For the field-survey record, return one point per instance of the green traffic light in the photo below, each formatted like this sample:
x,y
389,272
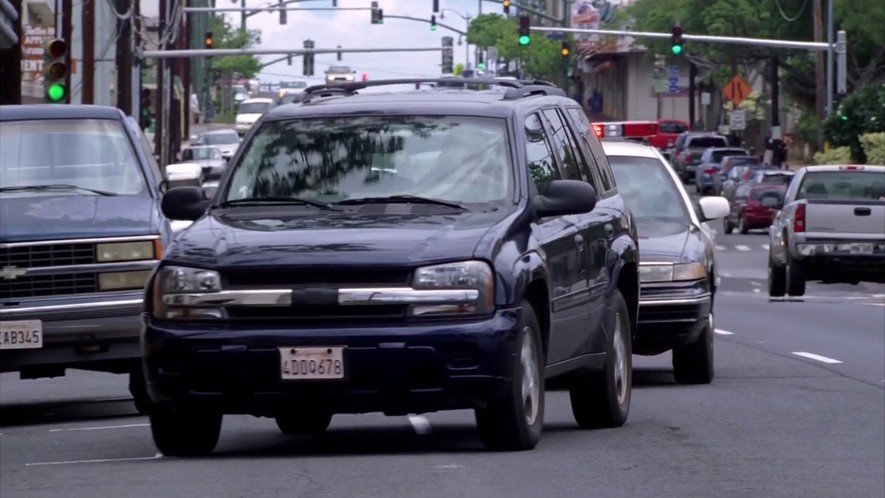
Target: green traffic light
x,y
56,92
432,27
481,65
844,118
524,40
677,49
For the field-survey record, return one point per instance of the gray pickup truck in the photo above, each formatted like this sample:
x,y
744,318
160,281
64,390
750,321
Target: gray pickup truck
x,y
830,228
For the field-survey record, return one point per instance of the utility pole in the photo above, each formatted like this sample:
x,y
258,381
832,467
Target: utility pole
x,y
67,33
160,119
830,57
819,65
11,65
692,91
775,99
87,82
124,57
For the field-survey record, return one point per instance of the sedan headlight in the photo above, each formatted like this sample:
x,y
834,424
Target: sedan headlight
x,y
669,272
128,251
174,288
472,275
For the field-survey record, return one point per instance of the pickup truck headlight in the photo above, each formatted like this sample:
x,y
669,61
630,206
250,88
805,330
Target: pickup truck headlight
x,y
128,251
474,275
174,286
669,272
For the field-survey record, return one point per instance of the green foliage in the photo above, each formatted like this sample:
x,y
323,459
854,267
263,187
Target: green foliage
x,y
227,36
874,147
541,58
858,114
863,19
836,155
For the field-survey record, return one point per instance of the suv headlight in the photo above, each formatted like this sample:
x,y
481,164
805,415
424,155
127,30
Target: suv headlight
x,y
175,288
669,272
473,275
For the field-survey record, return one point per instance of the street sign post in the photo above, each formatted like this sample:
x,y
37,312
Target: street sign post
x,y
737,120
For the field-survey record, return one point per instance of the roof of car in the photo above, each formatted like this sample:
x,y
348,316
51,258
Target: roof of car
x,y
225,131
844,167
260,100
58,111
628,148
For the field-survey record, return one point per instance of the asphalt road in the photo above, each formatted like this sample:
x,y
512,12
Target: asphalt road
x,y
797,409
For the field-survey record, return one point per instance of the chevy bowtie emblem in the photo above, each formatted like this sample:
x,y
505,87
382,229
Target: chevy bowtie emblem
x,y
11,272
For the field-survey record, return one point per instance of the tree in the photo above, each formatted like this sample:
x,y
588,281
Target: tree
x,y
226,36
458,69
858,114
778,19
541,58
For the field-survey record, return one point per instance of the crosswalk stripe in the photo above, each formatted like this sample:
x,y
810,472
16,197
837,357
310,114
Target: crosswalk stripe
x,y
742,248
766,247
721,248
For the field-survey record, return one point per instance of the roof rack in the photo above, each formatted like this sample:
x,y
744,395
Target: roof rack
x,y
515,89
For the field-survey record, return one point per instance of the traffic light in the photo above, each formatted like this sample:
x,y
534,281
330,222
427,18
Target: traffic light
x,y
432,23
307,59
377,14
524,30
506,4
338,54
147,109
55,70
565,50
448,61
435,6
677,39
208,42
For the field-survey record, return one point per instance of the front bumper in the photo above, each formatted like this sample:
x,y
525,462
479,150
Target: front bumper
x,y
671,315
92,331
407,368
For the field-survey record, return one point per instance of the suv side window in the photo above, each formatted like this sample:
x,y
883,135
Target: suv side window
x,y
579,117
562,142
580,143
539,155
605,172
148,150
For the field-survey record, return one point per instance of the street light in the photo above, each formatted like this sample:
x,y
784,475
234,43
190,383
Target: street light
x,y
524,30
55,70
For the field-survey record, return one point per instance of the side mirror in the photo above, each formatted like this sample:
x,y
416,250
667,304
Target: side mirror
x,y
564,197
184,175
184,203
713,208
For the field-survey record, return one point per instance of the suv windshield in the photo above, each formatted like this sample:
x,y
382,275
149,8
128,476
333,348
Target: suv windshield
x,y
459,159
253,108
92,154
648,190
220,138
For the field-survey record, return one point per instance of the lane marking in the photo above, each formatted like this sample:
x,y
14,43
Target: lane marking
x,y
816,357
449,466
766,246
100,428
420,424
721,248
723,332
100,460
875,304
742,248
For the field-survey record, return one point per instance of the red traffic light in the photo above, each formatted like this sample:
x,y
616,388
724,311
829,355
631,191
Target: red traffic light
x,y
677,30
56,48
524,23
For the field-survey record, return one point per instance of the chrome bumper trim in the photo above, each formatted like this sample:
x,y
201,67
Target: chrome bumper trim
x,y
346,297
257,297
676,301
123,303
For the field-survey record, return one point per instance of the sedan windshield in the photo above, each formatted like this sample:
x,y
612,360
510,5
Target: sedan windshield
x,y
253,108
82,155
220,138
648,189
456,159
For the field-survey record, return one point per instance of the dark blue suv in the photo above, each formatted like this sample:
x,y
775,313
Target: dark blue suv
x,y
401,252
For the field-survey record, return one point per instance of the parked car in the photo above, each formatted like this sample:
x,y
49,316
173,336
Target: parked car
x,y
688,149
211,162
476,238
830,228
81,229
752,207
226,140
677,265
249,111
341,74
708,171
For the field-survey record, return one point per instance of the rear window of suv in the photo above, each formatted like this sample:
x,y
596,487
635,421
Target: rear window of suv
x,y
704,142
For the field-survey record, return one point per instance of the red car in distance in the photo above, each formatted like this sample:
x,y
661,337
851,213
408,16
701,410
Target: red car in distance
x,y
754,206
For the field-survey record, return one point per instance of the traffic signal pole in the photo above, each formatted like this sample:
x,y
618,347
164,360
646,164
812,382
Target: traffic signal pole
x,y
178,54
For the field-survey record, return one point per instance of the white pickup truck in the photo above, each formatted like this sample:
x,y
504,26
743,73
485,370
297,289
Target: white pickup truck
x,y
830,228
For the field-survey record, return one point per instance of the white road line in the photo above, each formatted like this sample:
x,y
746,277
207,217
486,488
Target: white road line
x,y
449,466
742,248
766,246
875,304
101,460
721,248
816,357
420,424
723,332
101,428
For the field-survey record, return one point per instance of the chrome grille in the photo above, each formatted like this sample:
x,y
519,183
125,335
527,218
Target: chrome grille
x,y
43,255
49,285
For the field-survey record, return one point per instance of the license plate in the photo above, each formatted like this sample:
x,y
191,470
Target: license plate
x,y
23,334
315,363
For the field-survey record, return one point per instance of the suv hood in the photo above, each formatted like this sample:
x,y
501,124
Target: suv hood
x,y
48,217
330,239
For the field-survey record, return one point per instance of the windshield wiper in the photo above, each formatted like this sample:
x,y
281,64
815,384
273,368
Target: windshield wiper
x,y
39,188
270,201
402,199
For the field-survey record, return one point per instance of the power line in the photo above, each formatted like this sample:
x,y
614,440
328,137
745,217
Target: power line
x,y
784,14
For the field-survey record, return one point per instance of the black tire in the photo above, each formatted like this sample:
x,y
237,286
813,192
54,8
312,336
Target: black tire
x,y
777,279
138,390
727,226
694,363
795,277
515,422
304,423
184,432
742,225
602,399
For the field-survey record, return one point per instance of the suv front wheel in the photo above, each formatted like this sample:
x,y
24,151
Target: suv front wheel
x,y
180,431
514,422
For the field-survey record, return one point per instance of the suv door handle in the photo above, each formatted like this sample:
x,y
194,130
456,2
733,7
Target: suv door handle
x,y
862,211
579,241
609,230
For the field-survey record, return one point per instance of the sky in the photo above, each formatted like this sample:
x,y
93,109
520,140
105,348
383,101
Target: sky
x,y
353,29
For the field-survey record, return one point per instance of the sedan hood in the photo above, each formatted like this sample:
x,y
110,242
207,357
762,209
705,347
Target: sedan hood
x,y
45,217
663,242
269,239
